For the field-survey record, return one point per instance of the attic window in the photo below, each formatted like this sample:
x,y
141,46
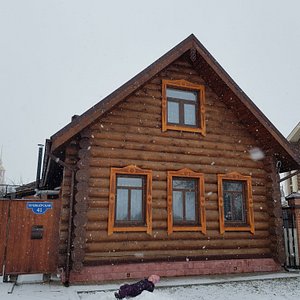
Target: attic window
x,y
235,203
183,106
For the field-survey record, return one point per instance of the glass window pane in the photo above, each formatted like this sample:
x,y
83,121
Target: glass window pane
x,y
187,184
227,207
190,206
173,112
136,205
182,94
189,114
129,181
233,186
177,206
234,209
238,209
122,205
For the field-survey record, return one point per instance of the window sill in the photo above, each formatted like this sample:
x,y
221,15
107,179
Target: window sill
x,y
184,128
238,228
130,229
186,228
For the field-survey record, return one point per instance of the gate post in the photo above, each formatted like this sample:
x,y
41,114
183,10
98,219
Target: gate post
x,y
294,203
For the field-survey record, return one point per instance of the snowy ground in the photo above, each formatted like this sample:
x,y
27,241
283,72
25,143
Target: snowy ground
x,y
252,287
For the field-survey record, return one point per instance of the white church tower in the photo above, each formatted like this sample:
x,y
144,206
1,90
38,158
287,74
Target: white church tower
x,y
2,173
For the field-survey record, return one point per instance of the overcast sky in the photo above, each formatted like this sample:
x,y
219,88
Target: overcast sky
x,y
60,57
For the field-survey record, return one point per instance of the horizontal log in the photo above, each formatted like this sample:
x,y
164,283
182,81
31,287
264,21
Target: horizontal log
x,y
215,119
94,215
178,245
157,203
105,145
153,255
98,173
159,139
96,220
222,137
131,121
139,104
95,203
90,226
215,110
98,235
160,157
160,187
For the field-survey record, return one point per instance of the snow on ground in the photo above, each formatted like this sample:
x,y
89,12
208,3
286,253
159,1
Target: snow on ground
x,y
252,287
274,289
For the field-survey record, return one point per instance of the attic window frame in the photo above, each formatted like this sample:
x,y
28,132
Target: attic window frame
x,y
248,202
188,174
200,106
133,171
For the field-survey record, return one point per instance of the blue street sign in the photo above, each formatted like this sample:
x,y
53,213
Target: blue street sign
x,y
39,208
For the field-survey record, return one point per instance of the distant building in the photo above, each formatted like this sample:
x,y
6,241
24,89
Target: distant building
x,y
292,185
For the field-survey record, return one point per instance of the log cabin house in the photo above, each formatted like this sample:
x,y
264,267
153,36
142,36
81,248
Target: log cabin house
x,y
157,177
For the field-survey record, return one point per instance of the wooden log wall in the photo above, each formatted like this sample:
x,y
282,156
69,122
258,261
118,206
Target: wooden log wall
x,y
275,210
131,134
71,160
81,203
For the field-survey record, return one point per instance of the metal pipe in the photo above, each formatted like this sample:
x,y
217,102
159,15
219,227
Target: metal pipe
x,y
68,260
39,165
46,192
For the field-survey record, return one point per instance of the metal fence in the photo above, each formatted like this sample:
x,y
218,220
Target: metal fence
x,y
290,238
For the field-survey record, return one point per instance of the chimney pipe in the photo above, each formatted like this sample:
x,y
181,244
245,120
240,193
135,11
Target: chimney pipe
x,y
39,165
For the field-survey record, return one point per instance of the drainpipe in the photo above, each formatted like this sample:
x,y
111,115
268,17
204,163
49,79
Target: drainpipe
x,y
68,261
69,239
39,165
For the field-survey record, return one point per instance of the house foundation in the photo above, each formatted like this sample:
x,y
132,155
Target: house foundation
x,y
173,269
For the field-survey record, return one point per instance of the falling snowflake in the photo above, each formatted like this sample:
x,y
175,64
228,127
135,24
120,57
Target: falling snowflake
x,y
256,154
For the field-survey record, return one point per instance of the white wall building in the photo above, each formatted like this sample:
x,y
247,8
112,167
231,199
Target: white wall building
x,y
292,185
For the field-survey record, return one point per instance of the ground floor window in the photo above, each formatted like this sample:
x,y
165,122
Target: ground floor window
x,y
186,204
235,203
130,200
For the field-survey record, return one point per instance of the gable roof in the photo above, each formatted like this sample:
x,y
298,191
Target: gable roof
x,y
216,77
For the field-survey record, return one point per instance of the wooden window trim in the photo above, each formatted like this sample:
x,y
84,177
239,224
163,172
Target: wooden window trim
x,y
184,85
130,170
129,223
186,173
248,199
